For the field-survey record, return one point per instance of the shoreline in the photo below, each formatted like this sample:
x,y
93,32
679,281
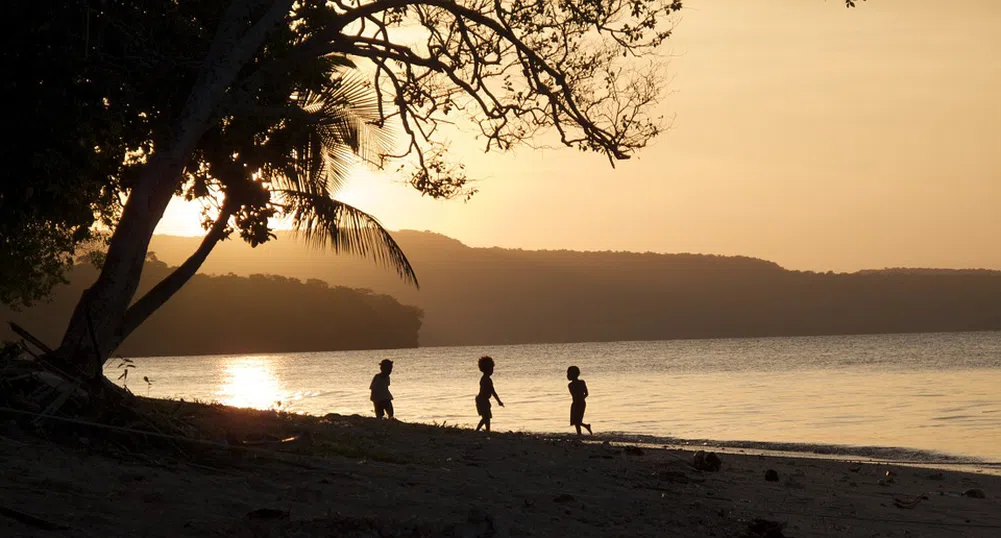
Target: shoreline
x,y
819,451
358,476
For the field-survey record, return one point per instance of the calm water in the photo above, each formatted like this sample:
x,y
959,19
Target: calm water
x,y
934,393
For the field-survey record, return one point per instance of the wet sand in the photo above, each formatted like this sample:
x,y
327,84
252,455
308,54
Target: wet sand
x,y
355,476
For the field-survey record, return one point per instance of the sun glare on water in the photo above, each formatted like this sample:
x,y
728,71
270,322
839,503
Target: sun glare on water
x,y
250,382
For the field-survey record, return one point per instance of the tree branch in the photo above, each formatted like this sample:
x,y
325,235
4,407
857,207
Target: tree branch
x,y
166,288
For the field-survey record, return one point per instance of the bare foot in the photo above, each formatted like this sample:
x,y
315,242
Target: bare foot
x,y
588,428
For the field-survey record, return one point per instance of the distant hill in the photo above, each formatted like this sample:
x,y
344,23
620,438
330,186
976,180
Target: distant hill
x,y
240,314
497,296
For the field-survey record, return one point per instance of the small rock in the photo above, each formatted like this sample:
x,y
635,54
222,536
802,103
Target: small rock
x,y
706,461
975,493
771,475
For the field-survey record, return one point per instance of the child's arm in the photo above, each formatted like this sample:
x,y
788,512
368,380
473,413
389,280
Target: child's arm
x,y
499,402
585,387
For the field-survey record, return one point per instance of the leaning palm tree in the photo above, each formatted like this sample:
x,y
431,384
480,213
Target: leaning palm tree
x,y
288,162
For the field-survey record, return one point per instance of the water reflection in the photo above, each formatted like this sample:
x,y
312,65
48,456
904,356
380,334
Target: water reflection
x,y
250,382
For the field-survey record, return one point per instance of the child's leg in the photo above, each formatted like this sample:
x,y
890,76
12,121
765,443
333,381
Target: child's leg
x,y
389,408
480,425
379,411
578,428
587,427
486,424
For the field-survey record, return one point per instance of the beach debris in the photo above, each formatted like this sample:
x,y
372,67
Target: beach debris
x,y
909,503
273,442
771,475
268,513
31,520
633,450
764,528
891,473
975,493
855,469
706,461
563,498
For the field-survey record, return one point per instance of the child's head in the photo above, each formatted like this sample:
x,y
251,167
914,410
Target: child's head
x,y
386,366
573,373
486,365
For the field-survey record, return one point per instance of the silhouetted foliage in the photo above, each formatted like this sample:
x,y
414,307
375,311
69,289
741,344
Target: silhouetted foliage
x,y
246,103
63,153
242,314
493,295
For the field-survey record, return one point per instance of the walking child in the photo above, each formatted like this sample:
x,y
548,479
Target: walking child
x,y
486,365
381,397
578,391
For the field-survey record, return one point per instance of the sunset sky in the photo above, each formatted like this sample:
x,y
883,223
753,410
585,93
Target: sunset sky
x,y
808,134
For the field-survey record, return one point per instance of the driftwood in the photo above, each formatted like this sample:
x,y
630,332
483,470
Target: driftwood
x,y
28,337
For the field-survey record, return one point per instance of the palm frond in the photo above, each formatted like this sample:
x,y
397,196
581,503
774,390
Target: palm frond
x,y
322,221
328,132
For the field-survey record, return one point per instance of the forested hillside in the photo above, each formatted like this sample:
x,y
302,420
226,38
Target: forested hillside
x,y
241,314
494,295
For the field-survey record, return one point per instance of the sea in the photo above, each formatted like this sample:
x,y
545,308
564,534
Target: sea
x,y
932,398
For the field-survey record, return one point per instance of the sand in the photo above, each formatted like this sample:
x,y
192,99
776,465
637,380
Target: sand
x,y
355,476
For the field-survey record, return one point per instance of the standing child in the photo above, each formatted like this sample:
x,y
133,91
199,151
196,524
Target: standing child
x,y
486,365
578,390
381,397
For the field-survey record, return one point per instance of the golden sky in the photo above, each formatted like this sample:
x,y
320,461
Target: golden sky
x,y
815,136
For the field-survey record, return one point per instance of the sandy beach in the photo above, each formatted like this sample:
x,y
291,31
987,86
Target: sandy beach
x,y
356,476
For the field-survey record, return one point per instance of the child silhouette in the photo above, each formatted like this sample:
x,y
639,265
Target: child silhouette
x,y
578,391
381,397
486,365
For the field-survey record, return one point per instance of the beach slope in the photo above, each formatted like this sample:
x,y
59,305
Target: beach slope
x,y
257,473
